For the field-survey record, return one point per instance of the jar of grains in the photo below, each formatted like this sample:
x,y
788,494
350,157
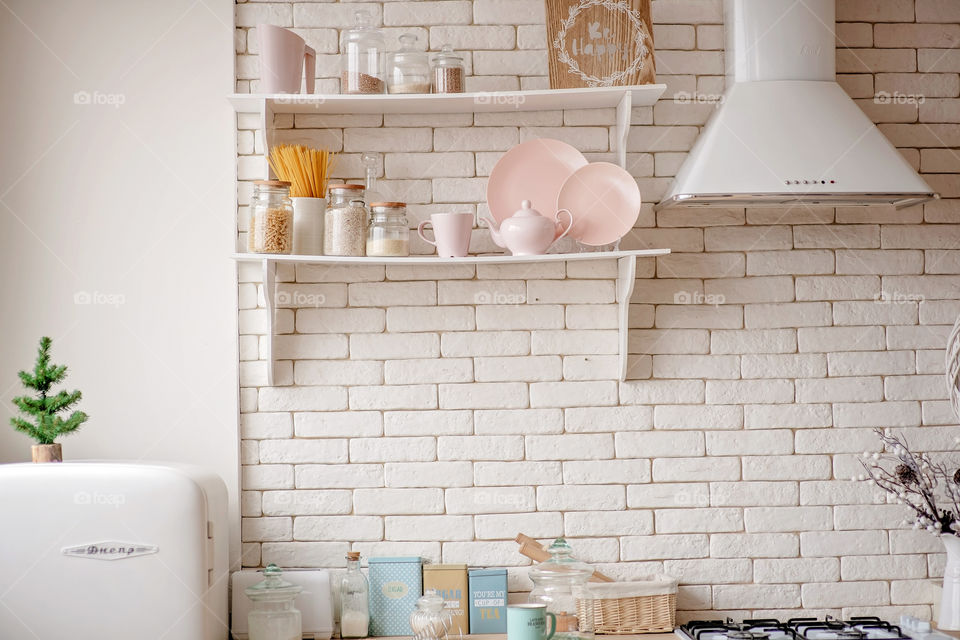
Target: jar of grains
x,y
345,224
271,218
389,233
447,71
408,70
362,60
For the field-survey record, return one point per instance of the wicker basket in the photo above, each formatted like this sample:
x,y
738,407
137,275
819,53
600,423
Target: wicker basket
x,y
623,608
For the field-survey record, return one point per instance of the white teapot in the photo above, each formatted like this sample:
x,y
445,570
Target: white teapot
x,y
527,232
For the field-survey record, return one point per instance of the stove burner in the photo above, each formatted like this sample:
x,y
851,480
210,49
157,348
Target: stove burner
x,y
828,628
851,634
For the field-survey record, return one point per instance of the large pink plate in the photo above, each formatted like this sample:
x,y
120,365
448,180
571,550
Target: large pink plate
x,y
533,170
604,200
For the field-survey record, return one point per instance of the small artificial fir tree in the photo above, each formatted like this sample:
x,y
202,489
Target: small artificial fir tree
x,y
47,425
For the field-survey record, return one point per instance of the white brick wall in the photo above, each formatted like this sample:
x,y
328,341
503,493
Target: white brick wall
x,y
440,412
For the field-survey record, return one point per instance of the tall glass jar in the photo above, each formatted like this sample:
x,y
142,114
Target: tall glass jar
x,y
345,221
408,70
271,218
447,71
362,60
354,600
560,583
389,233
274,616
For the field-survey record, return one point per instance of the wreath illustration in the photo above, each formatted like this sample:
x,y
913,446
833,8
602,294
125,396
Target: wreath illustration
x,y
641,47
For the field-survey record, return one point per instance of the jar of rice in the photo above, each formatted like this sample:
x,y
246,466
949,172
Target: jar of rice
x,y
345,224
271,218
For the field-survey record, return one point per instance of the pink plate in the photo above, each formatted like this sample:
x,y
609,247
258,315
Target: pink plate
x,y
604,200
533,170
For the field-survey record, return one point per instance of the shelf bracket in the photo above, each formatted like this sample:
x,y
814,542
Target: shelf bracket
x,y
269,300
624,111
626,277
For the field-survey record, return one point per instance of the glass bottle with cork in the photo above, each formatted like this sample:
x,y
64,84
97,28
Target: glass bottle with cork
x,y
354,600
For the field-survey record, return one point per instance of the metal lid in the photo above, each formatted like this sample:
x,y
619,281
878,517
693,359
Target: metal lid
x,y
389,205
271,183
487,572
444,567
416,559
273,586
340,187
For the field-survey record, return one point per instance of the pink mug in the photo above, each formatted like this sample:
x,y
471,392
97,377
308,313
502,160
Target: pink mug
x,y
284,59
451,231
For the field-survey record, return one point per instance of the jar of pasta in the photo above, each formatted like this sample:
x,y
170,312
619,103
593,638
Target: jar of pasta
x,y
345,224
389,233
271,218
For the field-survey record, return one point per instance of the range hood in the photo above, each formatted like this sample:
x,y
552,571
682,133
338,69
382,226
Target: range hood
x,y
785,133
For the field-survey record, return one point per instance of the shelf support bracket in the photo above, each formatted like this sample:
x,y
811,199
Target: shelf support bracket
x,y
626,277
624,110
269,300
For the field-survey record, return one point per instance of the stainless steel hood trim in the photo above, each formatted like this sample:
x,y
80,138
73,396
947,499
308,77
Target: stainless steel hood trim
x,y
898,200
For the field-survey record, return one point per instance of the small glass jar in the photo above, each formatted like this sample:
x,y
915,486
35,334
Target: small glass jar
x,y
271,218
363,57
354,600
561,584
447,71
389,233
408,70
274,615
345,221
430,621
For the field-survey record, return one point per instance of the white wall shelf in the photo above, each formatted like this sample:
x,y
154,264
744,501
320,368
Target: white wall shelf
x,y
626,275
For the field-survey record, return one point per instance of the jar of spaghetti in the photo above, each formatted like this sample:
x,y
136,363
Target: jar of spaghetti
x,y
345,221
271,218
389,233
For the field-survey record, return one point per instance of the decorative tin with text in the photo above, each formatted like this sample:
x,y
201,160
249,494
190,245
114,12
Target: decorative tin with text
x,y
488,601
395,586
450,581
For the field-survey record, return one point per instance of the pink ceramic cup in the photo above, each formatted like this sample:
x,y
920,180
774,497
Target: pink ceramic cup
x,y
452,233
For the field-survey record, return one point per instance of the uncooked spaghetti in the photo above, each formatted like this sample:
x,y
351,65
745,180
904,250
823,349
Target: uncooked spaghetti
x,y
307,170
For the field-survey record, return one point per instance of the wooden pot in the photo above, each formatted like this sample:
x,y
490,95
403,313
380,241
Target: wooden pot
x,y
47,453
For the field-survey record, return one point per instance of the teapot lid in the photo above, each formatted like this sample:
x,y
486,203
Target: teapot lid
x,y
273,587
526,210
561,564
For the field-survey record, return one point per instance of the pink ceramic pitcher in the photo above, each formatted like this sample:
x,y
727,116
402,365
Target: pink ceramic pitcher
x,y
284,57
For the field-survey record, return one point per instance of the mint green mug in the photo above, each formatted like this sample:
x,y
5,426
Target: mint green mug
x,y
529,622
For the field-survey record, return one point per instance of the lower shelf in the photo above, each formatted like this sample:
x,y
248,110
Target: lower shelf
x,y
626,274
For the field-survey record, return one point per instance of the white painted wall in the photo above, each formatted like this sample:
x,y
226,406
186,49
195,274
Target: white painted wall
x,y
128,206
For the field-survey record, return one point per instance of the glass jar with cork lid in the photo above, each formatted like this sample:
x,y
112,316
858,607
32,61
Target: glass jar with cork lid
x,y
345,221
271,218
389,233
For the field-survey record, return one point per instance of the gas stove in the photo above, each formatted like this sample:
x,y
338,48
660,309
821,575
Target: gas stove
x,y
828,628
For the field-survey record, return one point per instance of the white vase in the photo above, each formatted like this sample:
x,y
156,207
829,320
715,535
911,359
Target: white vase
x,y
950,601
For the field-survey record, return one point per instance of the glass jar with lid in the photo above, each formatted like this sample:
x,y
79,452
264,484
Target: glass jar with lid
x,y
560,583
354,600
408,70
447,71
362,57
271,218
389,233
345,221
430,621
274,615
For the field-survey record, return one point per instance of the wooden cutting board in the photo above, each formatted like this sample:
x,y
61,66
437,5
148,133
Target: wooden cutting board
x,y
599,43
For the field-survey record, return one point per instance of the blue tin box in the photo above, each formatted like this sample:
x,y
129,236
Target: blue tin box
x,y
488,600
395,586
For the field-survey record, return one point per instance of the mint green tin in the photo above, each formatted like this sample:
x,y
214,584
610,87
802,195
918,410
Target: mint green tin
x,y
395,585
488,600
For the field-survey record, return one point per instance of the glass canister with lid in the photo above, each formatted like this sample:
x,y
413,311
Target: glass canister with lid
x,y
447,71
271,218
430,621
560,583
345,221
408,70
362,60
274,616
389,233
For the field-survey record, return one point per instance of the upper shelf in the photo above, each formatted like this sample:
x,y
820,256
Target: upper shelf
x,y
435,260
483,101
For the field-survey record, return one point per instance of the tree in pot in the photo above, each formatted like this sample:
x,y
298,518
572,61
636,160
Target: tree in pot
x,y
44,407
